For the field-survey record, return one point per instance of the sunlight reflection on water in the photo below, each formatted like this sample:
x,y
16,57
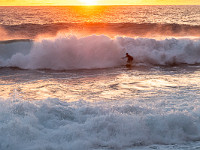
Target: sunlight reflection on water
x,y
103,84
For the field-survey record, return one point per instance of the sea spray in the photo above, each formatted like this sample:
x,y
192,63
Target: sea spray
x,y
69,53
101,51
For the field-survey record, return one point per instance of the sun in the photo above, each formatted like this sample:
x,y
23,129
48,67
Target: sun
x,y
88,2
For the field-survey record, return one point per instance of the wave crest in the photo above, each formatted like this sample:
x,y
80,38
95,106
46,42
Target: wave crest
x,y
64,53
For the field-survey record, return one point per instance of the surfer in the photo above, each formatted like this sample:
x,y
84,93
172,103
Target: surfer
x,y
129,58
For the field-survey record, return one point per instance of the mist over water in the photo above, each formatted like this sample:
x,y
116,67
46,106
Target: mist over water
x,y
148,30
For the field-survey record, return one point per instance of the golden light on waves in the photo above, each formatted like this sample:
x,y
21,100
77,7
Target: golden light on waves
x,y
88,2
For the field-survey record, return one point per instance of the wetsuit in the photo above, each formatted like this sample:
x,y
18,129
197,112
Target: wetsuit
x,y
130,58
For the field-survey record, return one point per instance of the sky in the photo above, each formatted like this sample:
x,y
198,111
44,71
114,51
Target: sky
x,y
97,2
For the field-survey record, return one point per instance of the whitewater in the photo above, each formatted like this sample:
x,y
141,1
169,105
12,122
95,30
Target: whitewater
x,y
64,84
91,52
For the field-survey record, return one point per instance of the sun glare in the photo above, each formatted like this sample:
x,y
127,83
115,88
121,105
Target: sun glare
x,y
89,2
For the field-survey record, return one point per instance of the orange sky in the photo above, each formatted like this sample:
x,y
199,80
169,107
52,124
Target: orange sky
x,y
98,2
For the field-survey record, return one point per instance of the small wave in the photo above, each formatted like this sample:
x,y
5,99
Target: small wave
x,y
90,52
32,31
54,124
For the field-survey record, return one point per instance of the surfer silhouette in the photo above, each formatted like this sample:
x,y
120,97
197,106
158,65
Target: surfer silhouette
x,y
129,58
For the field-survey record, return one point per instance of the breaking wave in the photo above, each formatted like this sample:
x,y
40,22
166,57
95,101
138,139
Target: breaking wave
x,y
97,51
57,125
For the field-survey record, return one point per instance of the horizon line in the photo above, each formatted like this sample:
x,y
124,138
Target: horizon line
x,y
100,5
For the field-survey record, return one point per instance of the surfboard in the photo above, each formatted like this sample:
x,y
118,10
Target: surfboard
x,y
129,65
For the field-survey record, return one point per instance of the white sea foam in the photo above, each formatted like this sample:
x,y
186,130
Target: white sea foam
x,y
57,125
63,53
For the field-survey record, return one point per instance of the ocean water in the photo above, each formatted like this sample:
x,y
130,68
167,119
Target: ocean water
x,y
64,84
